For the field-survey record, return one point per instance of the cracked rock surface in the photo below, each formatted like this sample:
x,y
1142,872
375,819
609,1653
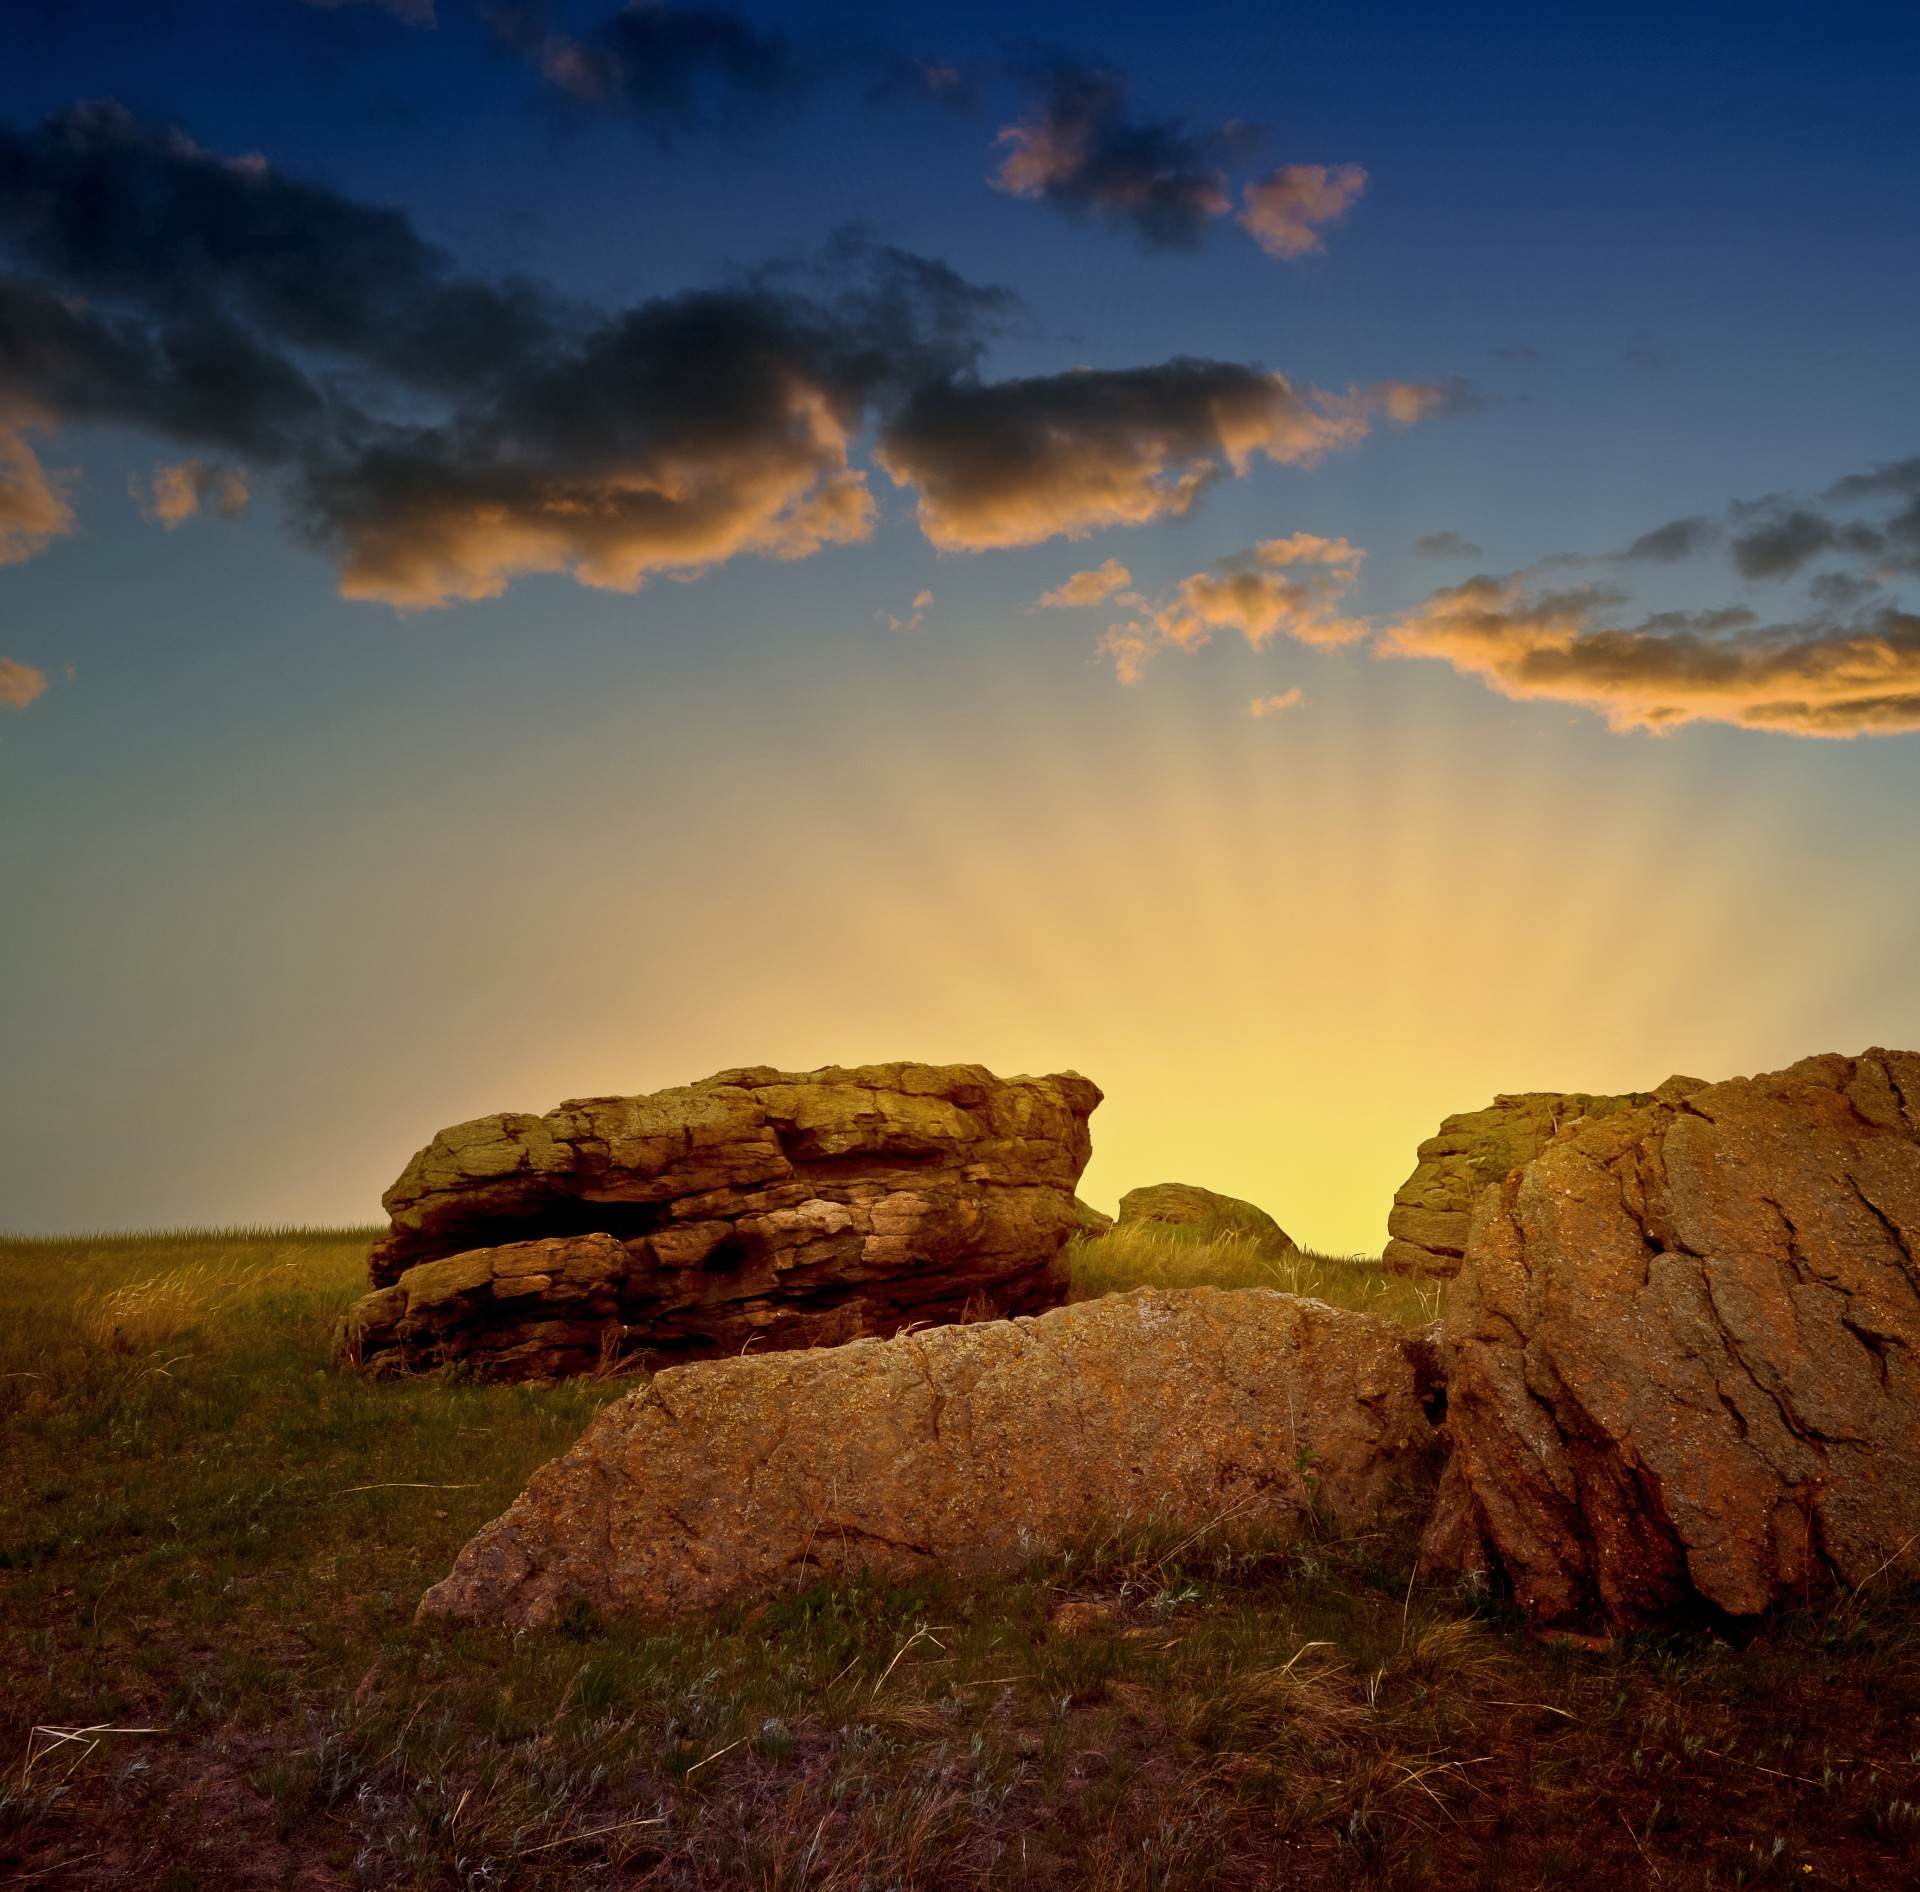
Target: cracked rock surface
x,y
968,1448
1681,1351
1427,1225
775,1209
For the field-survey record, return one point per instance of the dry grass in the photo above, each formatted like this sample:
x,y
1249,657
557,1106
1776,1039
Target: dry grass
x,y
219,1545
1163,1257
138,1316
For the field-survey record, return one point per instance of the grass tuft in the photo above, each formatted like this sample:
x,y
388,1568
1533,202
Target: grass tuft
x,y
1162,1257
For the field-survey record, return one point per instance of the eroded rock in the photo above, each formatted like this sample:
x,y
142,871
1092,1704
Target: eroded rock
x,y
1427,1226
762,1208
966,1448
1681,1352
1197,1211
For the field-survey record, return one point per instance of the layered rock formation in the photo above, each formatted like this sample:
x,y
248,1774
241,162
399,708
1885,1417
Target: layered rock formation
x,y
1427,1226
1681,1351
967,1448
1196,1211
758,1207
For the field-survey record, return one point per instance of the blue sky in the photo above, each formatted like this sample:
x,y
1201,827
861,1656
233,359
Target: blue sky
x,y
293,877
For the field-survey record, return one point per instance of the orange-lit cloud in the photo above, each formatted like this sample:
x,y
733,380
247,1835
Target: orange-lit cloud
x,y
1284,211
922,604
1292,586
177,493
32,510
1085,589
422,536
1273,705
1861,677
1014,462
20,684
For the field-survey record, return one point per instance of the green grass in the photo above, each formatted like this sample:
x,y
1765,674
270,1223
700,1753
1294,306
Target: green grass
x,y
220,1539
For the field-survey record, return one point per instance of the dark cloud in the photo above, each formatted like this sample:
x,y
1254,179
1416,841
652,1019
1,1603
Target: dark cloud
x,y
1444,545
440,433
1014,462
660,61
1682,538
1080,150
1790,538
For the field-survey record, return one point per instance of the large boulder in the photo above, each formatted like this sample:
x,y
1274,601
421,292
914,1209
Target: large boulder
x,y
1427,1226
1201,1212
768,1208
968,1448
1681,1352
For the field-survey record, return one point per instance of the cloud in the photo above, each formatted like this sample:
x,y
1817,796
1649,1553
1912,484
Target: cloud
x,y
1080,151
1791,537
20,684
1284,211
1085,589
1683,538
1859,677
1273,705
439,434
922,604
1293,587
652,58
177,493
1015,462
33,512
1444,545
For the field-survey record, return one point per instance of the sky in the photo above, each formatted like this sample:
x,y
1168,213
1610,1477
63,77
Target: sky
x,y
1313,565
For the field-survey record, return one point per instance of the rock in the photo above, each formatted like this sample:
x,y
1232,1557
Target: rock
x,y
768,1208
969,1449
1092,1222
1681,1352
1199,1212
1427,1226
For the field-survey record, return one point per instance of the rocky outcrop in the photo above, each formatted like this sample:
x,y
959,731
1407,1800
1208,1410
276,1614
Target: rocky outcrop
x,y
1196,1211
969,1448
762,1208
1427,1226
1681,1352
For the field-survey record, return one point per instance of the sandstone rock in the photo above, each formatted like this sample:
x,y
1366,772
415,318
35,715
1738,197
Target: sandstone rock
x,y
968,1448
1197,1211
1427,1227
1681,1352
759,1207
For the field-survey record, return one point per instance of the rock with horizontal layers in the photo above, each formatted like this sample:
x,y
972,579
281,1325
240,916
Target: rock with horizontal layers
x,y
1427,1226
970,1449
1681,1352
760,1208
1201,1212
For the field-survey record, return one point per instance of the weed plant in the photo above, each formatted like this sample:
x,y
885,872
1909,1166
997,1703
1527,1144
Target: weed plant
x,y
211,1547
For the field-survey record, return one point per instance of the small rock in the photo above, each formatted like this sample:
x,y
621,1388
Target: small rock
x,y
1200,1212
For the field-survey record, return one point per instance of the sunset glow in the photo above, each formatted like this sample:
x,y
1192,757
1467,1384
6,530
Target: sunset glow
x,y
1126,545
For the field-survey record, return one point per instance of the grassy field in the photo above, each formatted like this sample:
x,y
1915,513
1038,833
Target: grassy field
x,y
211,1544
